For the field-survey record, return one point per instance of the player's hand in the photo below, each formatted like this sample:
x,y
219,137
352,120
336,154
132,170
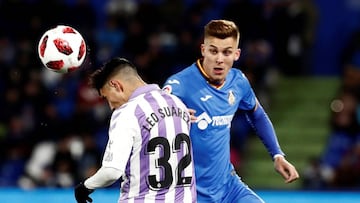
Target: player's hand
x,y
286,169
193,118
82,193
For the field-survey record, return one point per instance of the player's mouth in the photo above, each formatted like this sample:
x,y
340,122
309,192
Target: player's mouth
x,y
218,70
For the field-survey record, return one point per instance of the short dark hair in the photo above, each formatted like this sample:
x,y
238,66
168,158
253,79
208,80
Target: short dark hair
x,y
222,29
100,76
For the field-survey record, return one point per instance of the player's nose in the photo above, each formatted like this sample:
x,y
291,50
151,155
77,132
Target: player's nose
x,y
219,59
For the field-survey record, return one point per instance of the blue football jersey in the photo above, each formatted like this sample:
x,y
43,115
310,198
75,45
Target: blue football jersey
x,y
215,109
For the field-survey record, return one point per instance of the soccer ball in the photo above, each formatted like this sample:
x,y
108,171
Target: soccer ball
x,y
62,49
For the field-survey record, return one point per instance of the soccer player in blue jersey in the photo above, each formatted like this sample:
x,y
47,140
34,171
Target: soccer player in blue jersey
x,y
148,146
214,91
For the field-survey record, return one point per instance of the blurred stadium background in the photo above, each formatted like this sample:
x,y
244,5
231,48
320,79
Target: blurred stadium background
x,y
301,56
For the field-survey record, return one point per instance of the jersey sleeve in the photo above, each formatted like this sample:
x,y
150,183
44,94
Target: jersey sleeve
x,y
248,100
104,177
120,143
265,130
174,86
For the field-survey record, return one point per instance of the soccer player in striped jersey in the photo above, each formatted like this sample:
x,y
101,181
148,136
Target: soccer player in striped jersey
x,y
148,146
215,91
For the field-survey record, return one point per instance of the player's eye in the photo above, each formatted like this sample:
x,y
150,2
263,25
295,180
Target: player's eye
x,y
213,51
227,52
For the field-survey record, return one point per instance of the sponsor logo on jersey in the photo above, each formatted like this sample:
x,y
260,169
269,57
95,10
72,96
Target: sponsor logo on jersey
x,y
108,156
222,120
203,120
110,143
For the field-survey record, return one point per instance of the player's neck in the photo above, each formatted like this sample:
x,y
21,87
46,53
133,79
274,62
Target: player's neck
x,y
215,84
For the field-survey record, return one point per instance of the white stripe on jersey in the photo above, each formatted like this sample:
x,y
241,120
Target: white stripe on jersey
x,y
134,188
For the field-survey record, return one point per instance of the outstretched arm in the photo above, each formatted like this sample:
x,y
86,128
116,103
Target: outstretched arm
x,y
263,127
265,130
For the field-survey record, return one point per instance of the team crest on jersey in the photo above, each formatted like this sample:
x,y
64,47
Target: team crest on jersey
x,y
167,88
231,97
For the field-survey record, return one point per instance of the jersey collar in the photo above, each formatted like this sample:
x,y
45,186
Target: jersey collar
x,y
144,89
207,78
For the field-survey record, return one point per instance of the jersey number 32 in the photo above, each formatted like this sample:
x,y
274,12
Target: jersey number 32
x,y
162,162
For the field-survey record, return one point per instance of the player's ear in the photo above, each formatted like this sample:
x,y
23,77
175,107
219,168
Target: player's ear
x,y
237,54
117,85
202,48
112,83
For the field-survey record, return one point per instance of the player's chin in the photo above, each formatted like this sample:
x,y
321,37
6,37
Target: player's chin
x,y
218,77
216,82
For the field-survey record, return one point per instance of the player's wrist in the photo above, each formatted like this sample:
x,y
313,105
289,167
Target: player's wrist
x,y
87,185
278,156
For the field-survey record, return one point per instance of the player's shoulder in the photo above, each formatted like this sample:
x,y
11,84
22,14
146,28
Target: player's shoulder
x,y
237,73
180,79
236,76
123,111
237,81
186,72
